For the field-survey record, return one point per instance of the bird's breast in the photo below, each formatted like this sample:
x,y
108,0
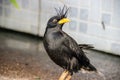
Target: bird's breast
x,y
54,41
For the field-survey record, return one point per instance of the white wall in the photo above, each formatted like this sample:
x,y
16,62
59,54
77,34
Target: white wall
x,y
85,15
24,20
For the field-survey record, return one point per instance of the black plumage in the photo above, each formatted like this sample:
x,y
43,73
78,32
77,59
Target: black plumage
x,y
62,48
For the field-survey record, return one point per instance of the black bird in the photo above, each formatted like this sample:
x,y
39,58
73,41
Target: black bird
x,y
62,48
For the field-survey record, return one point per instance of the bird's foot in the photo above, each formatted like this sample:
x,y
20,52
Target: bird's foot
x,y
65,76
68,77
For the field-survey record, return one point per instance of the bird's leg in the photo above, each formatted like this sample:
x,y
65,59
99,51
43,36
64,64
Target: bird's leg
x,y
69,76
64,75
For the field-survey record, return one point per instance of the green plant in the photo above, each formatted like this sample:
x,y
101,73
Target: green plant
x,y
14,2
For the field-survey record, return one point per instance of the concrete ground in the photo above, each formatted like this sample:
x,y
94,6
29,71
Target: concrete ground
x,y
22,57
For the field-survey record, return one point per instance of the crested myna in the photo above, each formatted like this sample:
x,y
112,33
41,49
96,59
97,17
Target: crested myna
x,y
63,49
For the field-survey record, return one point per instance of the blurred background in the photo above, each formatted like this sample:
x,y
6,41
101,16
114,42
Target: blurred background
x,y
24,28
86,20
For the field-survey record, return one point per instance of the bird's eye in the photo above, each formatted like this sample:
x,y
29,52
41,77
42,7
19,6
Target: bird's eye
x,y
54,20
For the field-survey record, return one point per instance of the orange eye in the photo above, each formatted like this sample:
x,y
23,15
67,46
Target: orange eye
x,y
54,20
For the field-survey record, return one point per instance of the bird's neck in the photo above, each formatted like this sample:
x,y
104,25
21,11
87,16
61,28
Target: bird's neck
x,y
52,30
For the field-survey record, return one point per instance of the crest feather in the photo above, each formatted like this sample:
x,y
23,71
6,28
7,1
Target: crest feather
x,y
62,12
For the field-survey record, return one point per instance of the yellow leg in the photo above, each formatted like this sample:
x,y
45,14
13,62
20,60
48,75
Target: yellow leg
x,y
68,77
64,75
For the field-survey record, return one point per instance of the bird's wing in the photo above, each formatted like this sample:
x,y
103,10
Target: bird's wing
x,y
76,51
73,47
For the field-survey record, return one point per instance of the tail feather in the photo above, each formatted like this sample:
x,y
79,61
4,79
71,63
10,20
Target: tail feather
x,y
86,46
90,67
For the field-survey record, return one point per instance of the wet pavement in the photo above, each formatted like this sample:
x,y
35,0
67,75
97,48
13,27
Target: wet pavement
x,y
22,57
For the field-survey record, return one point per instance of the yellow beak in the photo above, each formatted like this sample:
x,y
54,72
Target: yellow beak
x,y
64,20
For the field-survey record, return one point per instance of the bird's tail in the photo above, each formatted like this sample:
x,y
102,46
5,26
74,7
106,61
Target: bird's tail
x,y
86,46
90,67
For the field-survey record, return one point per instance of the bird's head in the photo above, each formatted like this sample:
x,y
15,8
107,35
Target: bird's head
x,y
60,19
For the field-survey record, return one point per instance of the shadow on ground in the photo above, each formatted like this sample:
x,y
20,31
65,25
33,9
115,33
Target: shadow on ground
x,y
22,57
